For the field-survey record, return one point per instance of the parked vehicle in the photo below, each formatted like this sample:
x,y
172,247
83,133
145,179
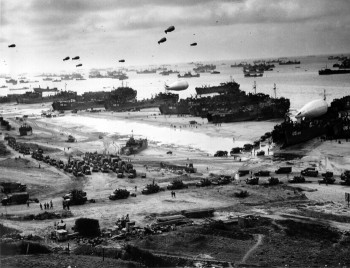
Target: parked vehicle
x,y
176,184
297,179
252,181
310,172
262,173
284,170
15,198
203,183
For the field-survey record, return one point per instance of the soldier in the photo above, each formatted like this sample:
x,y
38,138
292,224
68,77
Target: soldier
x,y
27,203
41,206
51,204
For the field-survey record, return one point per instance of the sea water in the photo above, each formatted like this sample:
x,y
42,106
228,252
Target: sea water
x,y
300,83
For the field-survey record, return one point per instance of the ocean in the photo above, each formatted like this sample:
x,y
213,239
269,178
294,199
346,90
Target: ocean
x,y
300,83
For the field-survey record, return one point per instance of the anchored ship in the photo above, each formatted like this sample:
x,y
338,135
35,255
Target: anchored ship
x,y
315,119
231,105
188,75
222,88
134,146
127,103
329,71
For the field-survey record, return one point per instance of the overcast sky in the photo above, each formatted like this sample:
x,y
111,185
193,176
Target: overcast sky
x,y
103,31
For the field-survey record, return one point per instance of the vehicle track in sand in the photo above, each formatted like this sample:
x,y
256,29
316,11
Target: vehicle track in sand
x,y
252,249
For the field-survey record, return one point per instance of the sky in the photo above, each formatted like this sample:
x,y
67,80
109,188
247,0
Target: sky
x,y
102,32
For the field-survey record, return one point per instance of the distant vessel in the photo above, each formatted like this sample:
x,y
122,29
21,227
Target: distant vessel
x,y
12,81
167,72
200,68
329,71
241,64
288,62
134,146
3,86
214,72
47,79
151,71
253,74
188,75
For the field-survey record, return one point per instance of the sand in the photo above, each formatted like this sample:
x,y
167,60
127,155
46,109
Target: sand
x,y
49,183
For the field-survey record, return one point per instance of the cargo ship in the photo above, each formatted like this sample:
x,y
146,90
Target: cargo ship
x,y
134,146
200,68
262,109
37,97
222,88
182,107
77,105
41,90
128,102
334,123
330,71
188,75
231,105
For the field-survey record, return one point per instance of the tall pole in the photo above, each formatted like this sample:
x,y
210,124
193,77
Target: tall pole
x,y
274,89
254,87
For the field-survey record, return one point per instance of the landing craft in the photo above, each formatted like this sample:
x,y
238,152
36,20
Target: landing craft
x,y
76,58
193,44
177,86
170,29
13,45
313,109
79,65
161,40
66,58
121,60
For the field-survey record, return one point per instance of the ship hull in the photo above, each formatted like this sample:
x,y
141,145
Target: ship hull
x,y
174,109
66,105
330,72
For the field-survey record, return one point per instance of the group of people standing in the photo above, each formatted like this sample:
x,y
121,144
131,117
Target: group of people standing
x,y
48,205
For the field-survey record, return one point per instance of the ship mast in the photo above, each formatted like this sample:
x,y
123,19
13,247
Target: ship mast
x,y
274,89
254,87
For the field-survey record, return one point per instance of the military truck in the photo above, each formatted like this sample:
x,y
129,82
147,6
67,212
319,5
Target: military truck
x,y
15,198
203,183
262,173
310,172
75,197
284,170
252,181
345,177
151,188
119,194
176,185
12,187
297,179
327,180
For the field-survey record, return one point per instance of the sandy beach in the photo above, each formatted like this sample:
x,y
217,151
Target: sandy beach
x,y
48,183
